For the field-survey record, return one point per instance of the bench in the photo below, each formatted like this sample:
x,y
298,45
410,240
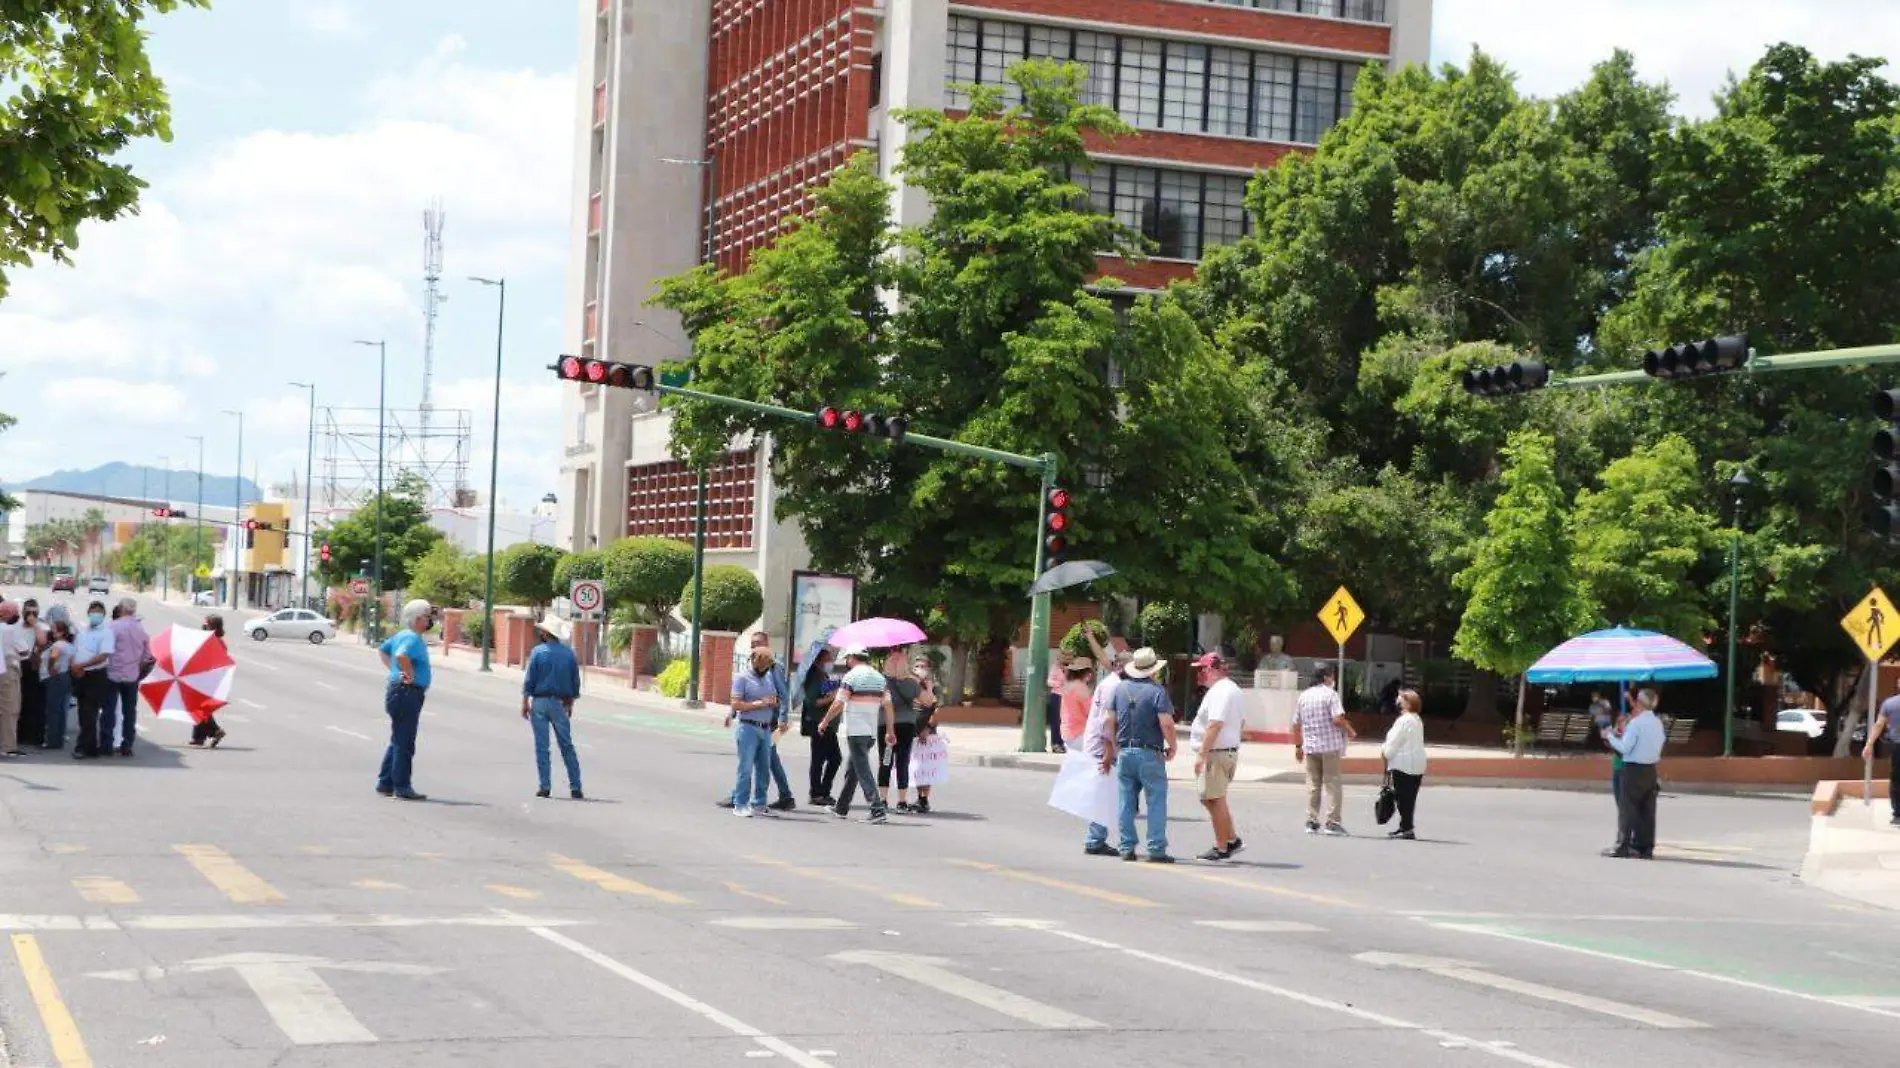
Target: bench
x,y
1550,729
1677,730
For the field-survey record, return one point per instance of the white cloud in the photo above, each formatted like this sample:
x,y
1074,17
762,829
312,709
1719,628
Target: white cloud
x,y
333,18
1691,44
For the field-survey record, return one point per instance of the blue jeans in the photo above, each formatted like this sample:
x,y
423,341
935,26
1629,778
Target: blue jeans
x,y
1143,771
59,695
403,703
755,764
549,712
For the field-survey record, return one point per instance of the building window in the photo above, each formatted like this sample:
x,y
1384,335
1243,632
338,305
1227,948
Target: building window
x,y
1192,88
661,499
1184,213
1178,215
1358,10
1224,210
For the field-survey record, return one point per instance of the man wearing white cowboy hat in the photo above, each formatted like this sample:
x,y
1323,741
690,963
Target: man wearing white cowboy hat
x,y
548,690
1141,719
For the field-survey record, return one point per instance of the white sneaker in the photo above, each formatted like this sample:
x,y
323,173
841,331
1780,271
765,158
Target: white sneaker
x,y
742,811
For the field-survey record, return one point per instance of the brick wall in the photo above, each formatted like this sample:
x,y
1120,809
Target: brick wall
x,y
715,665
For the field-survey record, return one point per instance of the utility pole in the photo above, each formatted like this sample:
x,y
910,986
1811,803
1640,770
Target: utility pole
x,y
309,462
165,541
1738,484
382,433
237,512
710,164
494,468
199,513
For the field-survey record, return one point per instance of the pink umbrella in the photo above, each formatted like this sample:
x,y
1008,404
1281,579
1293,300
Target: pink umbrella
x,y
876,633
191,675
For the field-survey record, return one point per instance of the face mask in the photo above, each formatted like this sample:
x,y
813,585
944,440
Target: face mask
x,y
97,618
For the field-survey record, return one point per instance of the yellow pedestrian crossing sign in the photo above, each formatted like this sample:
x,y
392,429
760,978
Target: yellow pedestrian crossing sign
x,y
1342,615
1872,624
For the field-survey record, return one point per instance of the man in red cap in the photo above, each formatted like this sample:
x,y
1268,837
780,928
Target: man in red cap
x,y
1216,740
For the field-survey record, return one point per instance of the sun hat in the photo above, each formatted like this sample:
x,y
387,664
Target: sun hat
x,y
857,651
1144,663
555,627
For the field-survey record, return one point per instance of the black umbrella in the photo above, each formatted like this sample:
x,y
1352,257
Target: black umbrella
x,y
1073,573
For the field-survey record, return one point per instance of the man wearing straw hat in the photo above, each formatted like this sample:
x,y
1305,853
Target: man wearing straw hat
x,y
1142,722
548,691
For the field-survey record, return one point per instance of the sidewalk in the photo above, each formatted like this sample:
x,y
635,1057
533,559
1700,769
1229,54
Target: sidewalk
x,y
1852,849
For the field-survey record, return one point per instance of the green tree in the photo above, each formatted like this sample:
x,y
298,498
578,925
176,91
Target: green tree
x,y
645,575
1524,595
525,573
586,564
6,423
1166,626
446,576
81,91
1641,540
407,535
732,602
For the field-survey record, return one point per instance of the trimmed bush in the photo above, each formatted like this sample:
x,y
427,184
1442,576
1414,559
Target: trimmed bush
x,y
733,598
1075,644
1166,626
672,681
646,574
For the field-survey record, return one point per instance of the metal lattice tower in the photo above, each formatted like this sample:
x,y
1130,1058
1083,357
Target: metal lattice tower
x,y
433,221
346,474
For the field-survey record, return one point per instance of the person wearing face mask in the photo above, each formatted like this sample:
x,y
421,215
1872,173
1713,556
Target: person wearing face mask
x,y
92,650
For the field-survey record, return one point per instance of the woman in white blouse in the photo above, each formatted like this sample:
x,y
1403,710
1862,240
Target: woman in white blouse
x,y
1405,759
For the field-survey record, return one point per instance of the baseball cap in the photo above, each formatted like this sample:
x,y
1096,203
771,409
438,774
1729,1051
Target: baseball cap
x,y
1210,660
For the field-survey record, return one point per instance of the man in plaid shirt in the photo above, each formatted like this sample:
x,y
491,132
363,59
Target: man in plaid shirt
x,y
1320,734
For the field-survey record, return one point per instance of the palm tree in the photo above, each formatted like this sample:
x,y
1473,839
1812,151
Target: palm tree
x,y
92,526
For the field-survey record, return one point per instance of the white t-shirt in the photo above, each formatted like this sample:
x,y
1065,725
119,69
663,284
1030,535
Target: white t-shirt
x,y
1094,737
864,704
1221,705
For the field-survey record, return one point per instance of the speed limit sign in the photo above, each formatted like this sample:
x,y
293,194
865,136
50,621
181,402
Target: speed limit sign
x,y
587,595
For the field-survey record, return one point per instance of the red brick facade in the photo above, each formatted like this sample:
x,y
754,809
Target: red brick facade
x,y
1245,23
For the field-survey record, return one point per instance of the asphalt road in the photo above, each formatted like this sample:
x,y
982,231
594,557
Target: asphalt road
x,y
259,905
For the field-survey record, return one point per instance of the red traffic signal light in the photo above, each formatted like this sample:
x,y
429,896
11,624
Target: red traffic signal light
x,y
1055,527
829,418
605,373
323,552
854,421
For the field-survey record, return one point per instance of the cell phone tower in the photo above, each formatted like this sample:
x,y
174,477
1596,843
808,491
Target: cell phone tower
x,y
433,220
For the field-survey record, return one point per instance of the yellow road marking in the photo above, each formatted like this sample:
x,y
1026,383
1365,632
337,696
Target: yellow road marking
x,y
1057,884
617,884
61,847
377,884
1244,884
105,890
68,1048
756,896
234,880
895,897
432,856
519,893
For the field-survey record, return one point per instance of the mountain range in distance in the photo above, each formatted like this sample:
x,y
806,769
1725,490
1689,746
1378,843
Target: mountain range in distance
x,y
137,482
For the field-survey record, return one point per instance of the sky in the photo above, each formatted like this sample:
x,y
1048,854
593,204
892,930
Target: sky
x,y
284,220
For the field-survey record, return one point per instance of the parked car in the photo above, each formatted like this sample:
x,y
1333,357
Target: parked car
x,y
208,598
293,623
64,583
99,584
1800,721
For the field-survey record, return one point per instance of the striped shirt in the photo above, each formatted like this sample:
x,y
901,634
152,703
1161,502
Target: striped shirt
x,y
1320,731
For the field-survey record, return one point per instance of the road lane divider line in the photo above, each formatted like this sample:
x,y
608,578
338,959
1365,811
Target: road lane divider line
x,y
756,896
377,884
1099,894
351,733
519,893
1715,977
235,881
1248,884
1466,971
778,1046
935,973
1509,1053
614,884
896,897
105,890
69,1049
248,703
326,685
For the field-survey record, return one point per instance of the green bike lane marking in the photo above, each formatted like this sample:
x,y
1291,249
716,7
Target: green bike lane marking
x,y
1676,956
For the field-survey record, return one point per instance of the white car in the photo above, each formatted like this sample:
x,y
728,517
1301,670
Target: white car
x,y
100,585
205,597
292,623
1800,721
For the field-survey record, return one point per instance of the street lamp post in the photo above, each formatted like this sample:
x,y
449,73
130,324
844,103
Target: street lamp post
x,y
693,699
198,542
165,543
1738,484
494,465
237,512
382,417
309,466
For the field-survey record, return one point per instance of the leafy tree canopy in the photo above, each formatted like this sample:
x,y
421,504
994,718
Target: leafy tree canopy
x,y
525,573
407,535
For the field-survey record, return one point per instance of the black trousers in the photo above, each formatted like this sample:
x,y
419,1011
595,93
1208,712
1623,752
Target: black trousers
x,y
1052,711
1637,817
1405,790
202,731
906,734
1893,785
32,707
826,759
95,703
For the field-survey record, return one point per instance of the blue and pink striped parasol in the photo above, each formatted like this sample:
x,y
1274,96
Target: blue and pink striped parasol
x,y
1621,654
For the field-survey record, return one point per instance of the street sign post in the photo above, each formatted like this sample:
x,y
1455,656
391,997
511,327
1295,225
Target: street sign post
x,y
1341,616
1872,626
587,597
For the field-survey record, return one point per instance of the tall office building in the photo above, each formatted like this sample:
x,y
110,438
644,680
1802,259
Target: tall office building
x,y
754,102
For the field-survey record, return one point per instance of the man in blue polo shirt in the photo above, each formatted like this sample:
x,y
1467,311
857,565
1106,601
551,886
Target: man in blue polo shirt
x,y
1141,718
755,705
548,690
1887,724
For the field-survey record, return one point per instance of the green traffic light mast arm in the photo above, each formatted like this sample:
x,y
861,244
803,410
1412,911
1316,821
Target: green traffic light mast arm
x,y
1791,361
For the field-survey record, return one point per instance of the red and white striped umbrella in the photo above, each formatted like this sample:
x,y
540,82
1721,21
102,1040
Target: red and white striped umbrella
x,y
191,675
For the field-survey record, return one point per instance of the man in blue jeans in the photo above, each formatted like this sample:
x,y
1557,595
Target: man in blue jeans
x,y
755,705
782,683
1141,719
548,690
406,656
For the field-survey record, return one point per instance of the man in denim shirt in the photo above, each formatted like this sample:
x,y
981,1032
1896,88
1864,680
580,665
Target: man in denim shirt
x,y
1141,719
548,690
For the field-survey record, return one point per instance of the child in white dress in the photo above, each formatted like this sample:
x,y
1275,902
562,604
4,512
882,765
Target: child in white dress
x,y
929,760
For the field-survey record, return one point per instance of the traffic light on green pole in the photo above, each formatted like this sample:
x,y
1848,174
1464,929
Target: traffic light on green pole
x,y
1885,519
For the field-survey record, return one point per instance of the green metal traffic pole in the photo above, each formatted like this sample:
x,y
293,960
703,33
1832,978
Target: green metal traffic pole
x,y
693,698
1036,686
1866,355
1739,482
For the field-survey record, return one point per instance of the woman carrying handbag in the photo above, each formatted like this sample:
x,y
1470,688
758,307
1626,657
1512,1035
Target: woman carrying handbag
x,y
1404,754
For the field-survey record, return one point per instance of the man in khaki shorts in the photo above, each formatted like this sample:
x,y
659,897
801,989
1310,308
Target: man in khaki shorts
x,y
1216,740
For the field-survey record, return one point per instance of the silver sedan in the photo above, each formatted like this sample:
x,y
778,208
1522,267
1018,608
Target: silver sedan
x,y
293,623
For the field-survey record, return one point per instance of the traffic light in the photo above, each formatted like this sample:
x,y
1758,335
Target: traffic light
x,y
1885,520
1697,358
323,552
168,513
604,373
870,424
1055,528
1506,379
